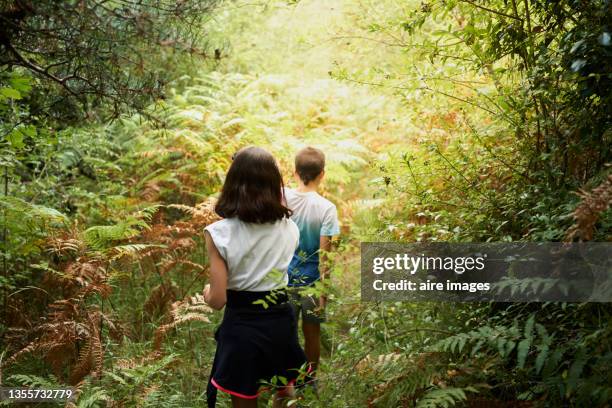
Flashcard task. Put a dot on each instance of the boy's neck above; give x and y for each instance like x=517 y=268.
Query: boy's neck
x=307 y=188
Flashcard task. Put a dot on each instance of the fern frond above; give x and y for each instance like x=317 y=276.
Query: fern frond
x=443 y=397
x=99 y=237
x=34 y=381
x=131 y=250
x=190 y=309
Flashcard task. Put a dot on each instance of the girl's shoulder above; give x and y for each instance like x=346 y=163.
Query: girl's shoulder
x=216 y=224
x=284 y=226
x=232 y=224
x=291 y=227
x=223 y=226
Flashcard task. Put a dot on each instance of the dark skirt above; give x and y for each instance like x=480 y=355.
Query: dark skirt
x=254 y=345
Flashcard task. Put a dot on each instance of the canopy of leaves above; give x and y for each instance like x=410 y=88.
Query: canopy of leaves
x=94 y=52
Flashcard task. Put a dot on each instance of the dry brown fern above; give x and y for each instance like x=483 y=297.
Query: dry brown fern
x=66 y=243
x=586 y=215
x=85 y=271
x=193 y=308
x=151 y=191
x=69 y=336
x=172 y=262
x=178 y=237
x=130 y=363
x=90 y=358
x=72 y=266
x=202 y=214
x=159 y=299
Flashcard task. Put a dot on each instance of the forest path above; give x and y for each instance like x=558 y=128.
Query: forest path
x=283 y=95
x=274 y=89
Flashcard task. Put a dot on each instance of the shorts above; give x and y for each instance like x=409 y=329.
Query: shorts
x=307 y=305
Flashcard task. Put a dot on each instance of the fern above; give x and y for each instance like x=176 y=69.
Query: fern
x=405 y=378
x=533 y=287
x=132 y=250
x=503 y=340
x=99 y=237
x=34 y=381
x=94 y=397
x=191 y=309
x=443 y=397
x=31 y=211
x=134 y=376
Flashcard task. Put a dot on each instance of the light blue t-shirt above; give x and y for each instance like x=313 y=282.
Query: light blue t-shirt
x=315 y=217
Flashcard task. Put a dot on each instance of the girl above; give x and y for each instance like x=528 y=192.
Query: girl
x=249 y=253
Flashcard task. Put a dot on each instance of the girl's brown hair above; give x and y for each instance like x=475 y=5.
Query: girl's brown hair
x=253 y=188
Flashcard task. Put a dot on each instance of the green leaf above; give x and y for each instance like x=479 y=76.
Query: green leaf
x=29 y=130
x=576 y=369
x=15 y=138
x=541 y=358
x=261 y=302
x=578 y=64
x=21 y=84
x=522 y=350
x=10 y=93
x=529 y=326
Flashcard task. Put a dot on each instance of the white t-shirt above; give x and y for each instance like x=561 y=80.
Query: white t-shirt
x=315 y=217
x=257 y=255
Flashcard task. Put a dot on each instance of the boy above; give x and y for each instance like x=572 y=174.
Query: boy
x=317 y=220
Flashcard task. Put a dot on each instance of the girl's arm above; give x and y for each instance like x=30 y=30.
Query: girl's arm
x=214 y=293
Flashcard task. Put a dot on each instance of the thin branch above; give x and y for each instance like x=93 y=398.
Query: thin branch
x=499 y=13
x=494 y=155
x=460 y=173
x=42 y=71
x=360 y=37
x=427 y=88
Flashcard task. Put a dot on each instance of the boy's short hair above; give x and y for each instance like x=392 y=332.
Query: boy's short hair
x=309 y=163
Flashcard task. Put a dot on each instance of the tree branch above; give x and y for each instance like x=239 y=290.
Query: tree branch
x=40 y=70
x=499 y=13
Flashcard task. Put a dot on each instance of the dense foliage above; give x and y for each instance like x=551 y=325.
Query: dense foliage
x=94 y=54
x=447 y=120
x=525 y=90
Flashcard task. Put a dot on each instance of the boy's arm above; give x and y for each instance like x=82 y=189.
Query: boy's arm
x=329 y=228
x=324 y=248
x=325 y=244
